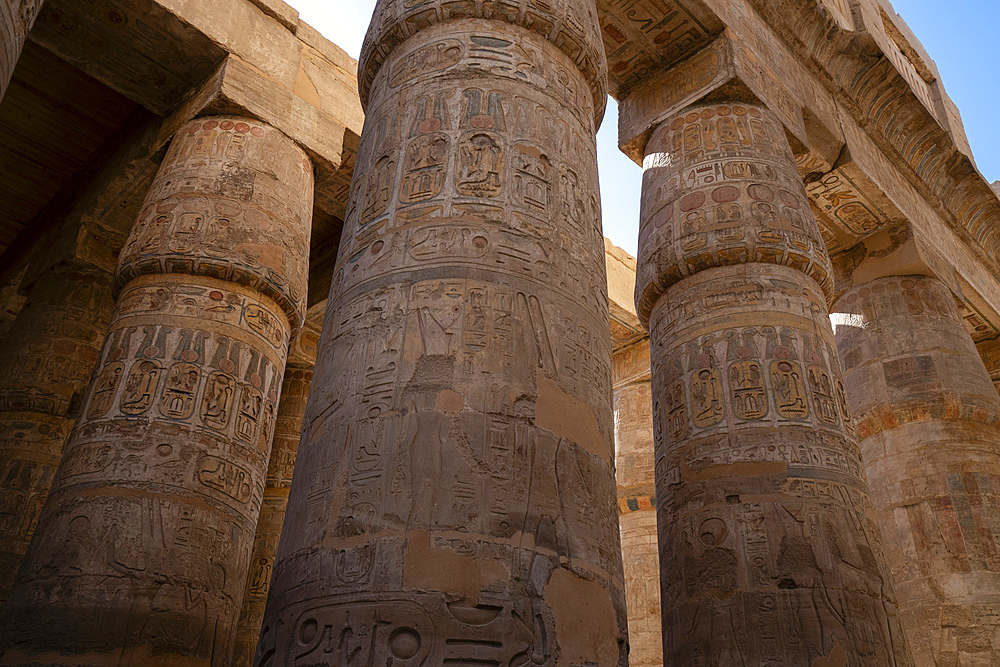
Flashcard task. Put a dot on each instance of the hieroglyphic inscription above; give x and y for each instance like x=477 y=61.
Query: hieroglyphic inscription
x=469 y=296
x=50 y=354
x=152 y=515
x=288 y=426
x=749 y=421
x=727 y=194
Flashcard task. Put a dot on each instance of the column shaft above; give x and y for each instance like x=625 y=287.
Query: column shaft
x=285 y=447
x=44 y=368
x=16 y=19
x=927 y=413
x=769 y=551
x=634 y=460
x=454 y=496
x=142 y=550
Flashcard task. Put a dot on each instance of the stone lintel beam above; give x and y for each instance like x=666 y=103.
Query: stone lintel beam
x=837 y=60
x=87 y=221
x=734 y=69
x=881 y=89
x=625 y=326
x=281 y=12
x=631 y=364
x=900 y=250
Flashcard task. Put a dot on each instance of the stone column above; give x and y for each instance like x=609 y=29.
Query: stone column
x=16 y=19
x=637 y=502
x=927 y=414
x=769 y=550
x=45 y=364
x=142 y=550
x=454 y=498
x=287 y=430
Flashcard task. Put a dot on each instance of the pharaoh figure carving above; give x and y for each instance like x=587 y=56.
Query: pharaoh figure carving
x=769 y=549
x=142 y=551
x=454 y=495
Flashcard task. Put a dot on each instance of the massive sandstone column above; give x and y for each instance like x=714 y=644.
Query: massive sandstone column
x=46 y=361
x=769 y=549
x=927 y=414
x=454 y=495
x=142 y=550
x=637 y=502
x=287 y=430
x=16 y=19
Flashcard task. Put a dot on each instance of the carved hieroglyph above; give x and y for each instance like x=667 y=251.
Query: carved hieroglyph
x=16 y=19
x=454 y=496
x=927 y=414
x=142 y=550
x=769 y=549
x=287 y=430
x=47 y=360
x=634 y=460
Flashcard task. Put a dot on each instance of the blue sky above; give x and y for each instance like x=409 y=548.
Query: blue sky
x=963 y=38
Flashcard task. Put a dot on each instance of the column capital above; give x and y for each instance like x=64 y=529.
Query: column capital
x=233 y=201
x=879 y=325
x=571 y=26
x=721 y=188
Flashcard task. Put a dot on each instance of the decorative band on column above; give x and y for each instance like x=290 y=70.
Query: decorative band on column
x=913 y=389
x=719 y=189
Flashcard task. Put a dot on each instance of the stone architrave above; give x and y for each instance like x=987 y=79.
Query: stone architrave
x=16 y=19
x=927 y=414
x=142 y=551
x=769 y=549
x=287 y=430
x=454 y=495
x=46 y=362
x=634 y=461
